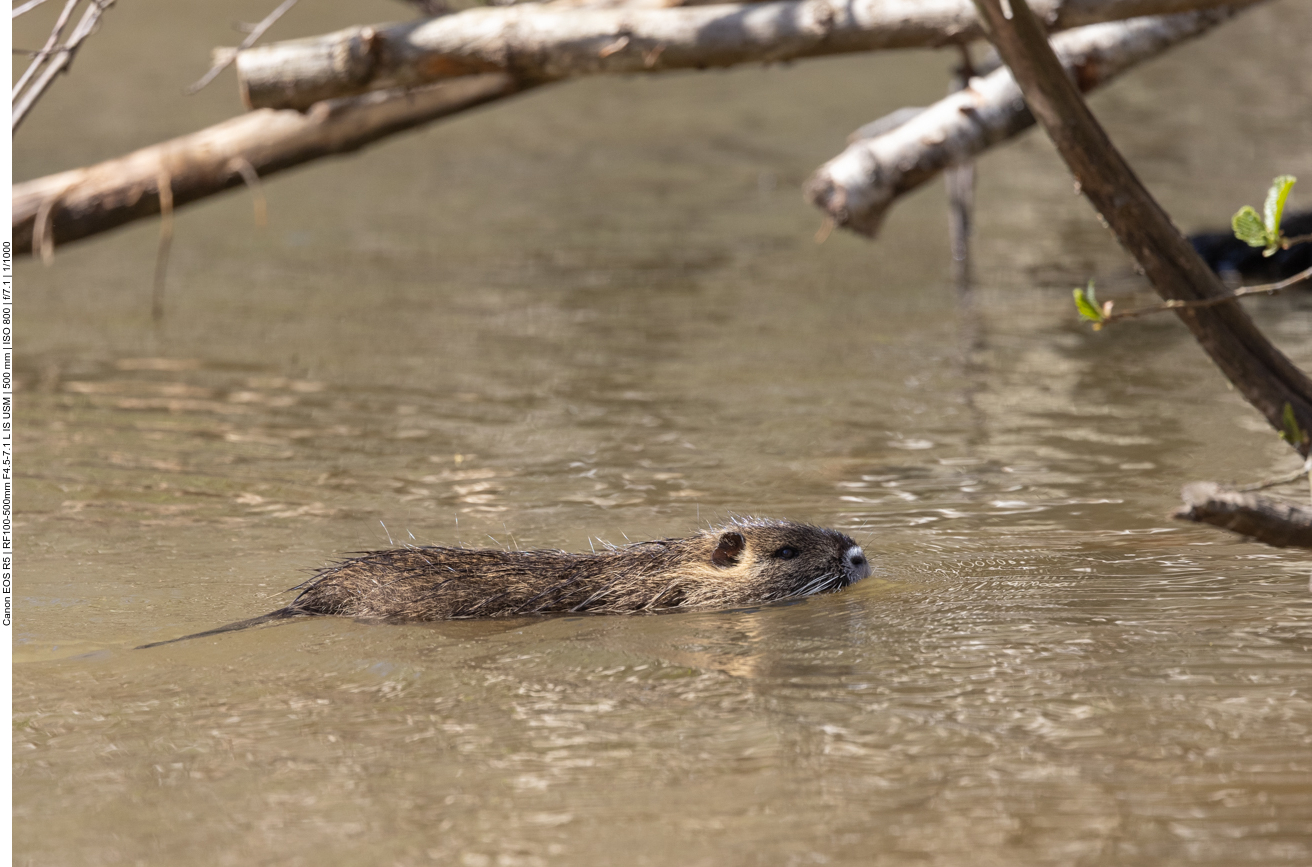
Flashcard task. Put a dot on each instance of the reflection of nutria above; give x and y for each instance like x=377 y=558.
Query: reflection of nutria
x=744 y=562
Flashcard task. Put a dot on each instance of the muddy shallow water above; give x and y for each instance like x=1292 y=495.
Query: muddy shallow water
x=599 y=312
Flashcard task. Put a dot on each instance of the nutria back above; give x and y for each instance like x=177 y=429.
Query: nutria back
x=744 y=562
x=741 y=563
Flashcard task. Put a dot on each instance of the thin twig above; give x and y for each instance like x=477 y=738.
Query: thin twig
x=61 y=60
x=1279 y=480
x=39 y=60
x=256 y=32
x=26 y=7
x=165 y=242
x=1286 y=243
x=1268 y=288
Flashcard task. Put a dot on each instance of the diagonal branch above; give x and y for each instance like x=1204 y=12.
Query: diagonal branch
x=70 y=205
x=1266 y=378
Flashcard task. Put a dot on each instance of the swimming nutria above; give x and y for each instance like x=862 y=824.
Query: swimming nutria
x=744 y=562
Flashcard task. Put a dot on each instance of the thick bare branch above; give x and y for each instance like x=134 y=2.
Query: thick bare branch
x=1266 y=378
x=1275 y=522
x=70 y=205
x=541 y=42
x=886 y=160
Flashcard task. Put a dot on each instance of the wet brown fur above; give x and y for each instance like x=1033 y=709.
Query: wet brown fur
x=739 y=563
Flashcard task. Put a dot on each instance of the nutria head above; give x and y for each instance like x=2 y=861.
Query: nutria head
x=747 y=561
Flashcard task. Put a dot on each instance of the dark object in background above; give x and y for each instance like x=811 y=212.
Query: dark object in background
x=1231 y=258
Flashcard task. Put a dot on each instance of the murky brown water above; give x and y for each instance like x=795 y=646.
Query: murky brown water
x=599 y=311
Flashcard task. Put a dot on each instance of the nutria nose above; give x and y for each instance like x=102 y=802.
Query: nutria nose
x=860 y=564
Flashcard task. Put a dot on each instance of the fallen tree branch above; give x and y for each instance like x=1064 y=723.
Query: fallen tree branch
x=544 y=43
x=1275 y=522
x=70 y=205
x=887 y=160
x=1263 y=375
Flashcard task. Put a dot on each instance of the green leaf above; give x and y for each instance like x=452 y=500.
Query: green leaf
x=1248 y=227
x=1275 y=203
x=1087 y=303
x=1292 y=434
x=1274 y=209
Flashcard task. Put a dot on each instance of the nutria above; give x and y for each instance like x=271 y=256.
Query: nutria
x=744 y=562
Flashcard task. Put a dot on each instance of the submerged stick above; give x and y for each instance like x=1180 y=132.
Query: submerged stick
x=959 y=179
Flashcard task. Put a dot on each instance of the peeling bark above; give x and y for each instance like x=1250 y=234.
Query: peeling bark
x=543 y=42
x=889 y=159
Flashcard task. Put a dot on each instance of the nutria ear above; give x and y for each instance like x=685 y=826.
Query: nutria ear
x=731 y=545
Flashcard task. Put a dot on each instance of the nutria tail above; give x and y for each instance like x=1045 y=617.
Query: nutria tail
x=271 y=617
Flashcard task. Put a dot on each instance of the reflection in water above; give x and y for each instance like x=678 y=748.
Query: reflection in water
x=612 y=328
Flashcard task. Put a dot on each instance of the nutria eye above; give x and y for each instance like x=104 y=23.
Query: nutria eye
x=786 y=553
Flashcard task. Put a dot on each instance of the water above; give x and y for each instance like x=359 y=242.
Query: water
x=598 y=312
